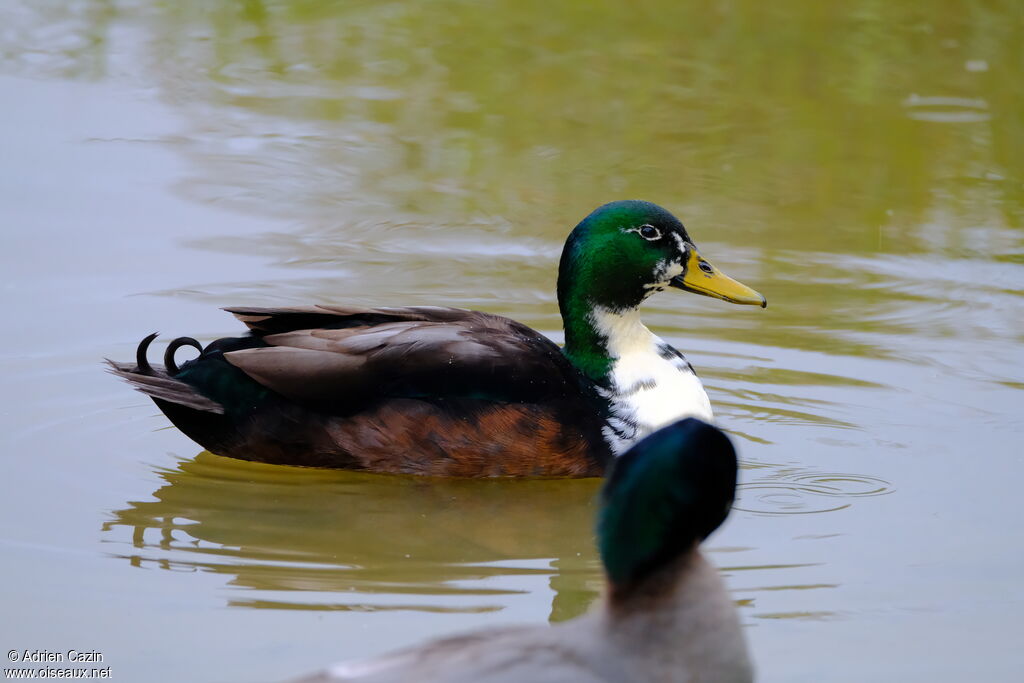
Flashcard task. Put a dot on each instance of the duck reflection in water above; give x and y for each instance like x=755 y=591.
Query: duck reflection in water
x=338 y=540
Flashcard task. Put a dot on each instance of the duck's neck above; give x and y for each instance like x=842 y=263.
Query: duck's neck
x=680 y=618
x=596 y=336
x=645 y=383
x=600 y=314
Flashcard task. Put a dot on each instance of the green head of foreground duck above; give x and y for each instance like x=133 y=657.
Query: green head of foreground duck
x=451 y=392
x=666 y=616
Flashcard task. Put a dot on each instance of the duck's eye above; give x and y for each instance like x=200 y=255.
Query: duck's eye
x=649 y=232
x=706 y=267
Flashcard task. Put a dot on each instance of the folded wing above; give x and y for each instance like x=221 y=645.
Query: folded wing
x=341 y=354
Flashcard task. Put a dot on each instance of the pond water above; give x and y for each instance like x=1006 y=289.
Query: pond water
x=861 y=165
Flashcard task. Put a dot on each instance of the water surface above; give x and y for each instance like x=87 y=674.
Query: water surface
x=859 y=165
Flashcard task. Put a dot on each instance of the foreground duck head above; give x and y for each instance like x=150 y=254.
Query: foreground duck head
x=664 y=496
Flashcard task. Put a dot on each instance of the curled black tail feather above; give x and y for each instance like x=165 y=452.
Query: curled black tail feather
x=159 y=384
x=172 y=368
x=144 y=368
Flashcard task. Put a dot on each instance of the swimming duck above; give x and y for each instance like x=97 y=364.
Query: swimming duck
x=666 y=616
x=452 y=392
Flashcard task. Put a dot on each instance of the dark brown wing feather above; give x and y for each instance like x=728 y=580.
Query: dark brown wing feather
x=337 y=353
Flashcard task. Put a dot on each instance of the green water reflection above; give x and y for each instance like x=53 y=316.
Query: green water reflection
x=297 y=533
x=823 y=127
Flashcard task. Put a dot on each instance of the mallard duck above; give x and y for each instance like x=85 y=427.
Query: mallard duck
x=666 y=616
x=452 y=392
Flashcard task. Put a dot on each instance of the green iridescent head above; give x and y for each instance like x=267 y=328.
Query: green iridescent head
x=664 y=495
x=625 y=251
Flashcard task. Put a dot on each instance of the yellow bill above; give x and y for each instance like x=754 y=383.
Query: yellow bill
x=701 y=277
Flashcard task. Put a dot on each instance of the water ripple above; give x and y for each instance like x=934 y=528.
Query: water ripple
x=799 y=491
x=947 y=109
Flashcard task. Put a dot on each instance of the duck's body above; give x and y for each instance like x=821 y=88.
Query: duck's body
x=434 y=391
x=688 y=633
x=450 y=392
x=668 y=616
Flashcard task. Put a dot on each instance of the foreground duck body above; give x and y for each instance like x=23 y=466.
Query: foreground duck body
x=667 y=615
x=451 y=392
